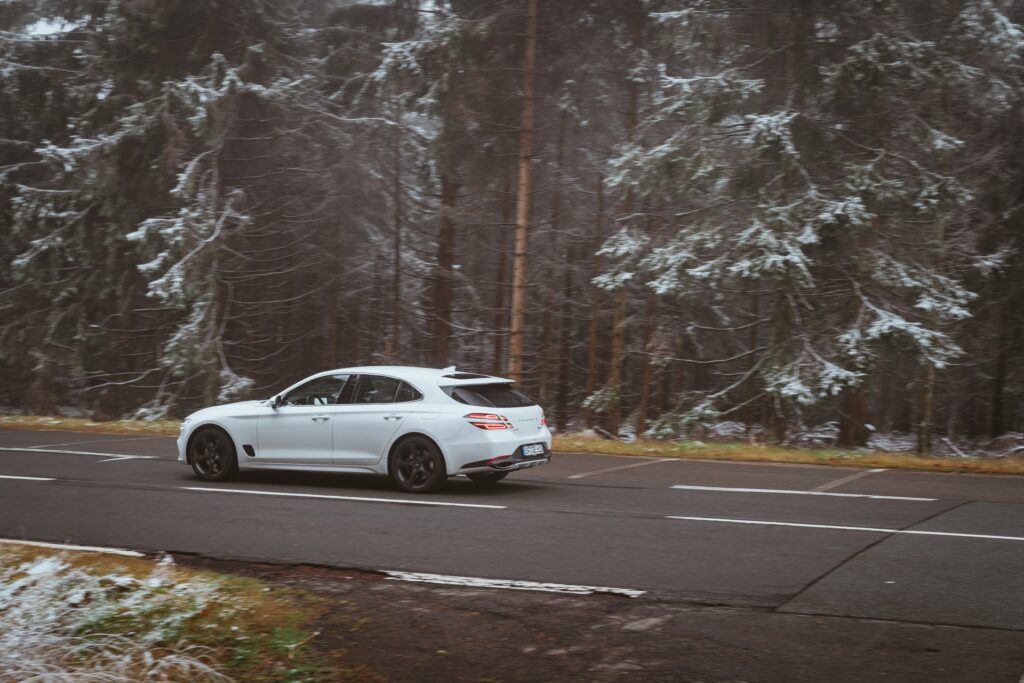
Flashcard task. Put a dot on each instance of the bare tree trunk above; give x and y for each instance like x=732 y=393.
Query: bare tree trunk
x=615 y=362
x=753 y=409
x=853 y=431
x=499 y=296
x=595 y=303
x=564 y=356
x=647 y=383
x=443 y=272
x=619 y=315
x=646 y=367
x=515 y=342
x=998 y=416
x=552 y=276
x=927 y=401
x=394 y=343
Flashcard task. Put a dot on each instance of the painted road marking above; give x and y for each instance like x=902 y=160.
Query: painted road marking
x=619 y=467
x=108 y=456
x=798 y=493
x=65 y=546
x=75 y=443
x=508 y=584
x=914 y=532
x=11 y=476
x=846 y=480
x=359 y=499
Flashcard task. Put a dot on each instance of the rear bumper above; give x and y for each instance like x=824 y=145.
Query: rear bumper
x=507 y=463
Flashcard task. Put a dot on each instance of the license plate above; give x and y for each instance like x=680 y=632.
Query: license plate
x=533 y=449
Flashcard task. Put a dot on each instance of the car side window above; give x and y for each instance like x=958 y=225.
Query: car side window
x=321 y=391
x=376 y=389
x=407 y=393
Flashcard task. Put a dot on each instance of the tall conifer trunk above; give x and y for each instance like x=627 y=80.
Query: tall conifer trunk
x=515 y=342
x=443 y=272
x=593 y=329
x=619 y=315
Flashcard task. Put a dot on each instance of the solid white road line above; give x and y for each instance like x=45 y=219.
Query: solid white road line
x=65 y=546
x=109 y=456
x=360 y=499
x=797 y=492
x=619 y=467
x=845 y=480
x=11 y=476
x=914 y=532
x=508 y=584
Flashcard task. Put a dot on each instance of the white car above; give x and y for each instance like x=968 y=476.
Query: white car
x=417 y=425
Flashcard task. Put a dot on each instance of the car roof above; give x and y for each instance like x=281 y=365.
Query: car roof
x=414 y=374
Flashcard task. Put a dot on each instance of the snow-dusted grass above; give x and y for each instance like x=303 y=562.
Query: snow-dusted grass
x=92 y=617
x=576 y=443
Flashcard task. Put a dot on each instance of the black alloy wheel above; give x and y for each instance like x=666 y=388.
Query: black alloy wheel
x=487 y=477
x=417 y=465
x=212 y=455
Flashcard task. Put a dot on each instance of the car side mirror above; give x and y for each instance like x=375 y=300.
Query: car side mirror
x=277 y=401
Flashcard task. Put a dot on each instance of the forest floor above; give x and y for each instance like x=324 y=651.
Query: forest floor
x=584 y=443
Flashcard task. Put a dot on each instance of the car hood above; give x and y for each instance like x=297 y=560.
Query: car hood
x=224 y=410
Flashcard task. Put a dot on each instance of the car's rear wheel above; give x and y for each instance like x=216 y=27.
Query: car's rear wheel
x=212 y=455
x=487 y=477
x=417 y=465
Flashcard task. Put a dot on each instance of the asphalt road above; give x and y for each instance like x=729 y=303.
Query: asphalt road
x=874 y=544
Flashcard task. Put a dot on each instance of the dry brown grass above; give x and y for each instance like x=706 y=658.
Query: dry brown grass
x=751 y=453
x=71 y=424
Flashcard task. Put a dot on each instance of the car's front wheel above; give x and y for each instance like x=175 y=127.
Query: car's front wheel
x=487 y=477
x=417 y=465
x=212 y=455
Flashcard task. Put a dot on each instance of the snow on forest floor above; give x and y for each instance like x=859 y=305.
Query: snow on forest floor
x=86 y=616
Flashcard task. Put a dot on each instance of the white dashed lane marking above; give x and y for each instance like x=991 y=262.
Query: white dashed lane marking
x=118 y=440
x=11 y=476
x=359 y=499
x=913 y=532
x=853 y=477
x=619 y=467
x=109 y=456
x=794 y=492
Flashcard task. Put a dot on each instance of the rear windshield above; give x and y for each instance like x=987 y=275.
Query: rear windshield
x=498 y=395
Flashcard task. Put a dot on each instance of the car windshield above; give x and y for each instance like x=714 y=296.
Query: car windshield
x=497 y=395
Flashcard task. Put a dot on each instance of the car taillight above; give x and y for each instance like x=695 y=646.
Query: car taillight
x=543 y=419
x=488 y=421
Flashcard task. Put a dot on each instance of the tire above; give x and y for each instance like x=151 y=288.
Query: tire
x=212 y=455
x=416 y=465
x=486 y=478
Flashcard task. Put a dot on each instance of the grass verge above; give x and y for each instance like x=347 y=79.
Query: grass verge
x=572 y=443
x=750 y=453
x=84 y=616
x=71 y=424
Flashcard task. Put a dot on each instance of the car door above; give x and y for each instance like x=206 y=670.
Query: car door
x=298 y=432
x=364 y=427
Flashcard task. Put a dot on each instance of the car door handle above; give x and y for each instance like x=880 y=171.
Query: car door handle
x=319 y=418
x=392 y=417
